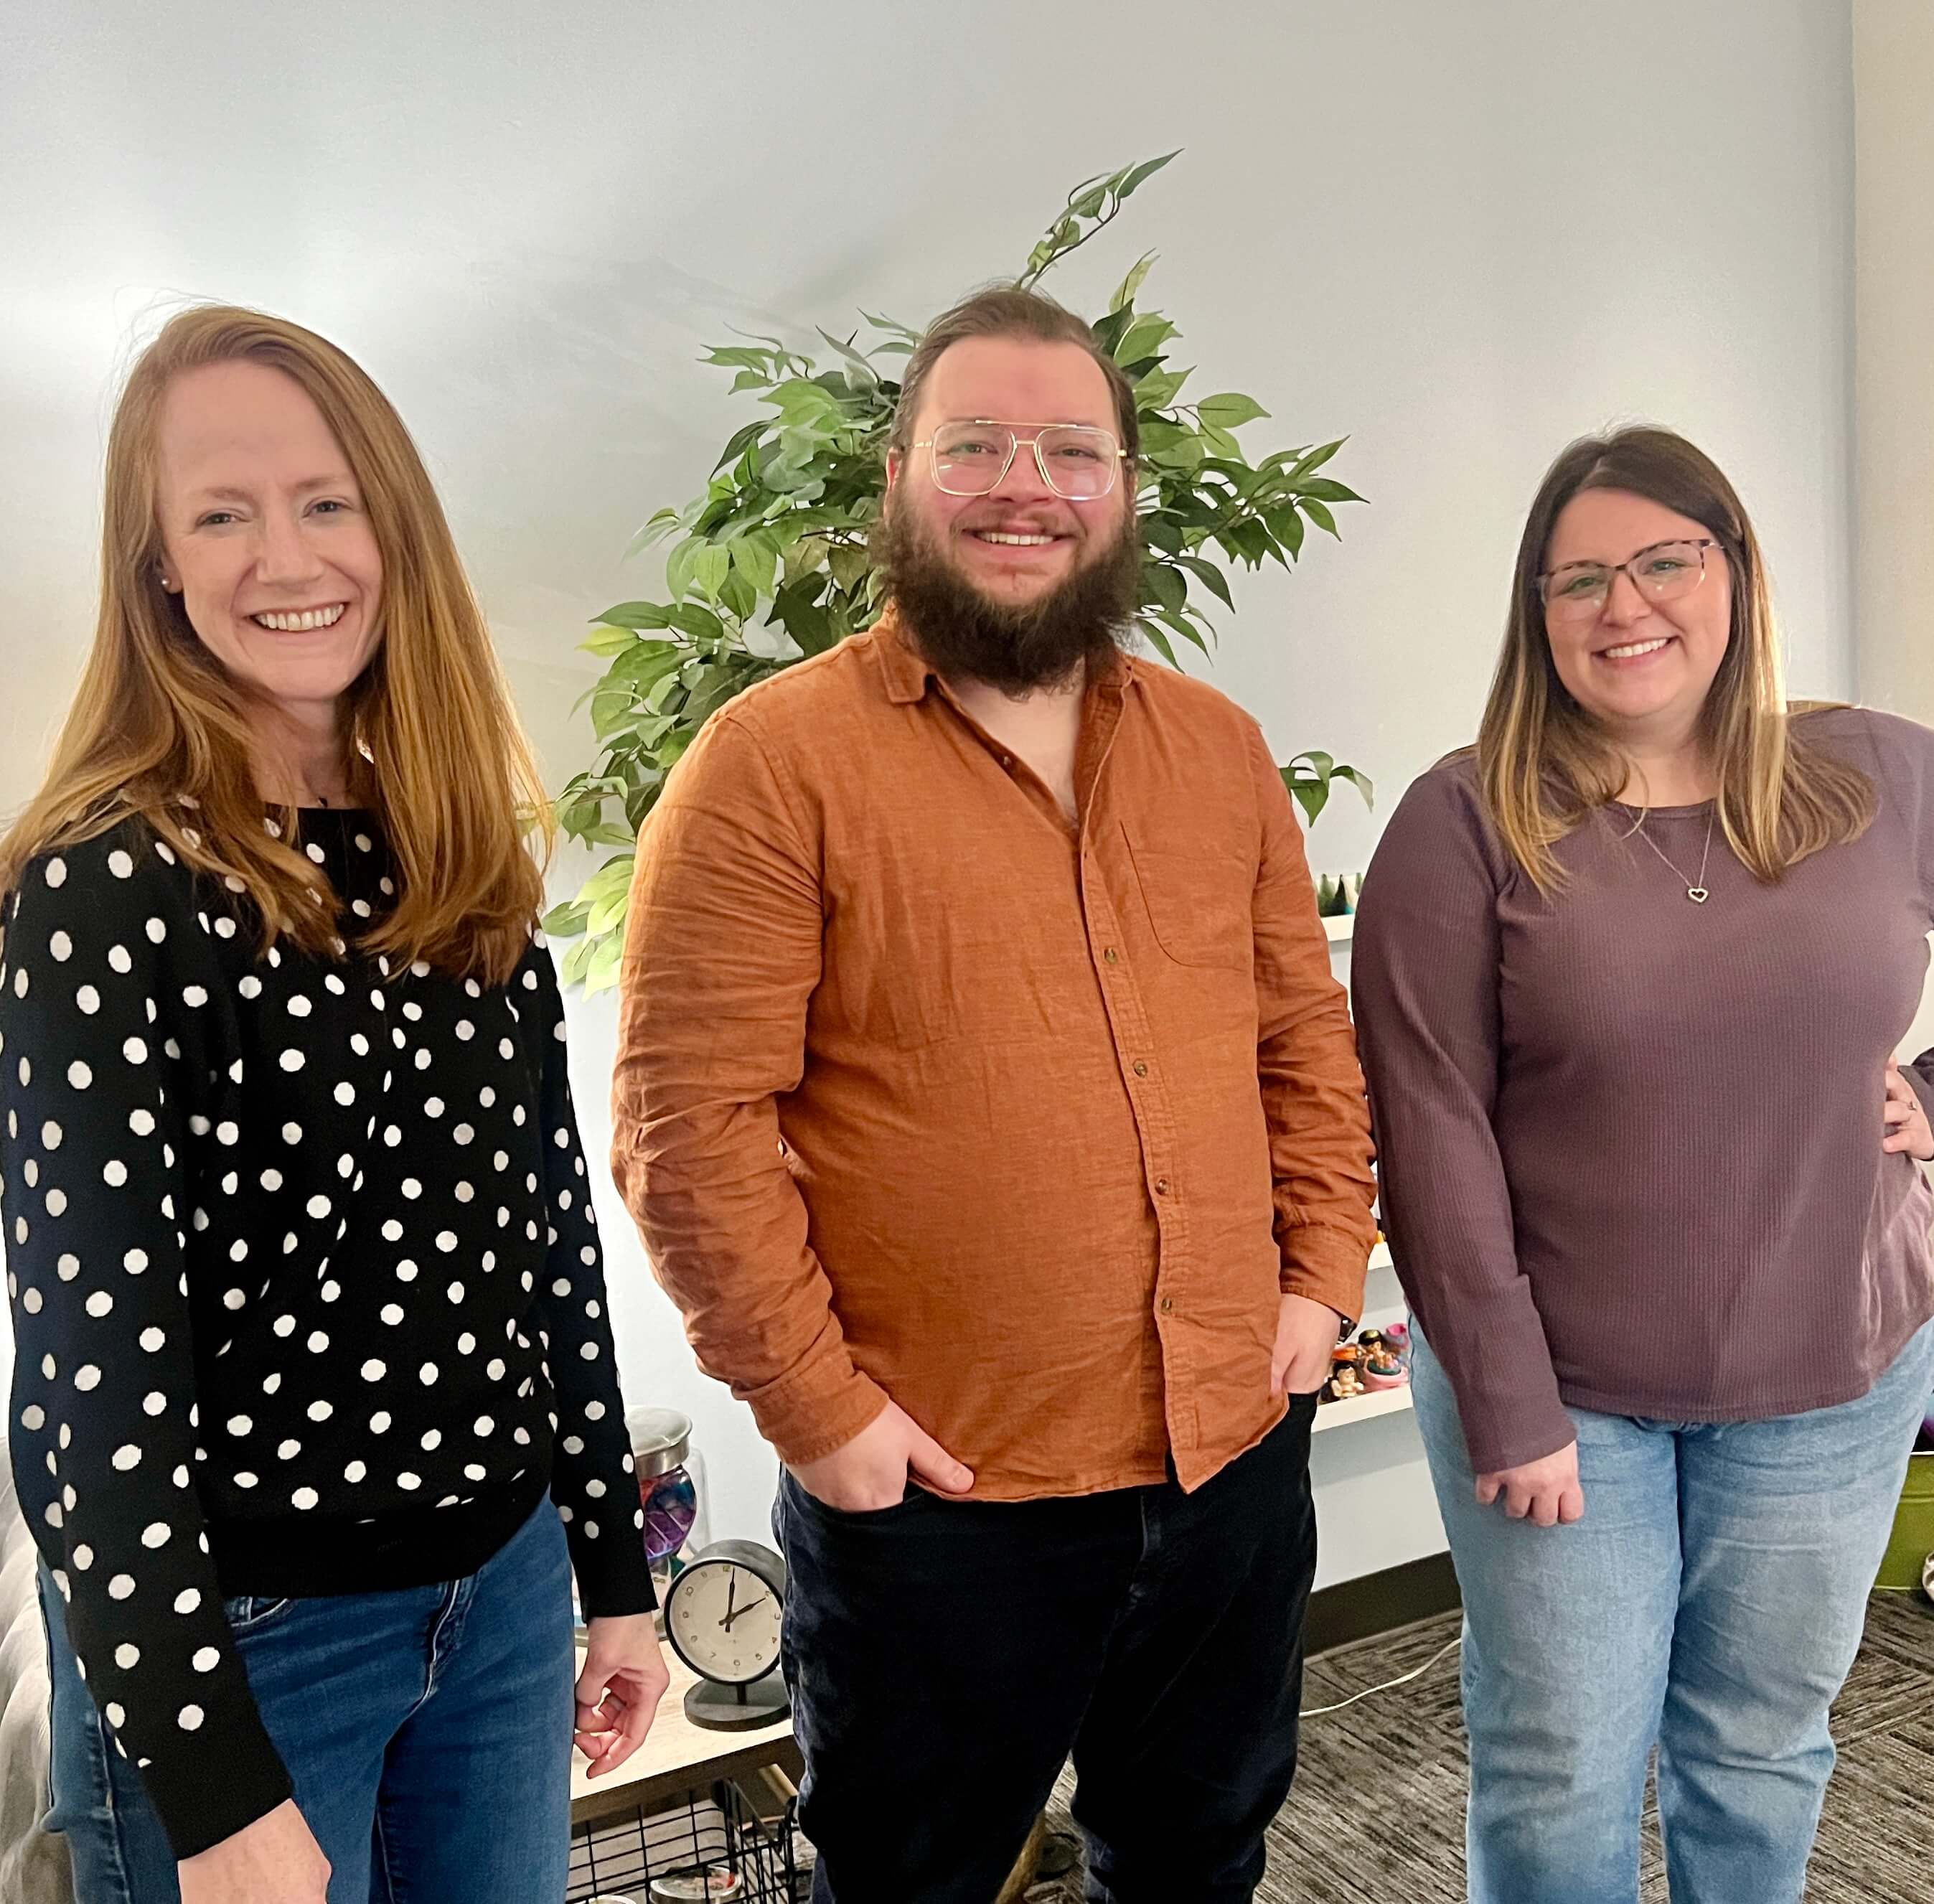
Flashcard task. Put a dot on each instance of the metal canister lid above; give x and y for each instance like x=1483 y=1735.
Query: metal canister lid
x=698 y=1887
x=660 y=1441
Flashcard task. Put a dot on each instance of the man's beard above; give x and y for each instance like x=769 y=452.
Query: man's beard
x=1015 y=647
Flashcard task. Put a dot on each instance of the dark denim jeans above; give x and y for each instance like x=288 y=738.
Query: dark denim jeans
x=945 y=1656
x=428 y=1732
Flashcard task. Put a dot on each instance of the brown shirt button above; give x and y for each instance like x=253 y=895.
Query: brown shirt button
x=1168 y=1306
x=1161 y=1186
x=1141 y=1069
x=1110 y=955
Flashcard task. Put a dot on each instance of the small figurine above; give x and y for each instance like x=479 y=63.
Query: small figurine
x=1383 y=1367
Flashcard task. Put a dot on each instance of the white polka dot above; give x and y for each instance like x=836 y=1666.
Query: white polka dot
x=292 y=1060
x=426 y=1374
x=156 y=1533
x=190 y=1718
x=304 y=1498
x=100 y=1304
x=288 y=1451
x=57 y=873
x=114 y=1173
x=79 y=1076
x=154 y=1403
x=240 y=1424
x=87 y=1377
x=33 y=1417
x=157 y=932
x=408 y=1483
x=374 y=1370
x=317 y=1342
x=355 y=1471
x=432 y=1440
x=345 y=1093
x=120 y=1587
x=118 y=956
x=379 y=1422
x=187 y=1600
x=392 y=1313
x=245 y=1481
x=446 y=1240
x=411 y=1188
x=152 y=1340
x=234 y=1299
x=589 y=1351
x=88 y=1000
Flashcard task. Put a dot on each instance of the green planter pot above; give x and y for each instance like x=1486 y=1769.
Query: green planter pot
x=1913 y=1530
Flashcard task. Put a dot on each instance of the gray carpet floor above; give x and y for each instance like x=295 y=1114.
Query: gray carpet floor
x=1378 y=1811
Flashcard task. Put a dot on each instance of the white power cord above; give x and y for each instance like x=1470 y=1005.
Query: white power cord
x=1389 y=1685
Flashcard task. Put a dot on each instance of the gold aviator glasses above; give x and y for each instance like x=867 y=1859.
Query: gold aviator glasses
x=1078 y=462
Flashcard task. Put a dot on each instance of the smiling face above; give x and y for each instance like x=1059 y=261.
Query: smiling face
x=1020 y=542
x=1641 y=668
x=265 y=537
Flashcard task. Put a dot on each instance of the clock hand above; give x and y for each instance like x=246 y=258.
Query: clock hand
x=727 y=1622
x=731 y=1594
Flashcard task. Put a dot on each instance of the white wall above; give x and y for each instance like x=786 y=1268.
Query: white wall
x=1893 y=288
x=1460 y=233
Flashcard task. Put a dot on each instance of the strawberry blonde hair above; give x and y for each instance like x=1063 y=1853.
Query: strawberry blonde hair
x=160 y=730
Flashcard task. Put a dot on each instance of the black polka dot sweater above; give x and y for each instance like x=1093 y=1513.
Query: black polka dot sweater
x=306 y=1288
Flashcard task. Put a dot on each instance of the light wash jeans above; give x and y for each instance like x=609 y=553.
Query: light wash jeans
x=427 y=1731
x=1710 y=1603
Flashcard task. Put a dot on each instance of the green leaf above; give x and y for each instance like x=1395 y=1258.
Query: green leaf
x=1125 y=292
x=1162 y=532
x=1143 y=338
x=739 y=442
x=709 y=567
x=634 y=615
x=796 y=610
x=1229 y=410
x=1248 y=540
x=1321 y=489
x=1088 y=204
x=601 y=973
x=1319 y=514
x=566 y=920
x=578 y=958
x=679 y=566
x=866 y=371
x=1158 y=641
x=1315 y=459
x=1157 y=390
x=1109 y=331
x=609 y=641
x=1166 y=585
x=1286 y=526
x=1312 y=796
x=1210 y=576
x=1147 y=169
x=691 y=618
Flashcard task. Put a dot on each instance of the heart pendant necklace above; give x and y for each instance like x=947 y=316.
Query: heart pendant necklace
x=1695 y=889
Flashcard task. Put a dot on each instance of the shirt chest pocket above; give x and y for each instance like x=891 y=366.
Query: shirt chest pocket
x=1199 y=902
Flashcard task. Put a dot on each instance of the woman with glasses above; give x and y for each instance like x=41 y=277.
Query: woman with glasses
x=1629 y=977
x=315 y=1407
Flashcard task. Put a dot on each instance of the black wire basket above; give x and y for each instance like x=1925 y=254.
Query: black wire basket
x=717 y=1833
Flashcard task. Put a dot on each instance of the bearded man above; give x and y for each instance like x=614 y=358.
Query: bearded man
x=987 y=1107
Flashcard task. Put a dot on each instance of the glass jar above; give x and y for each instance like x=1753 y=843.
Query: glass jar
x=671 y=1489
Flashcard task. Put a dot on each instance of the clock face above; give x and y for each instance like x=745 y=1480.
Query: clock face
x=724 y=1621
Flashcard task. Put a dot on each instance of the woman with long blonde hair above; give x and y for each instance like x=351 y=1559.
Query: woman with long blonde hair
x=314 y=1406
x=1629 y=977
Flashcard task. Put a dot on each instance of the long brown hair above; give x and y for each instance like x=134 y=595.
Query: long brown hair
x=159 y=729
x=1544 y=764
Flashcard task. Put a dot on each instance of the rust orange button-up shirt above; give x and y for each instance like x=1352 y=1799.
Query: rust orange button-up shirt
x=923 y=1091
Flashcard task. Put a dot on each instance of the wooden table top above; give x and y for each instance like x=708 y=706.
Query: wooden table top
x=677 y=1757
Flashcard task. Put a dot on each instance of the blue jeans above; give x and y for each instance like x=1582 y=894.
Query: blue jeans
x=427 y=1731
x=1710 y=1603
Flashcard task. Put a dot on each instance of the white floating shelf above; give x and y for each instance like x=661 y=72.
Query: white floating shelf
x=1360 y=1407
x=1338 y=930
x=1380 y=1256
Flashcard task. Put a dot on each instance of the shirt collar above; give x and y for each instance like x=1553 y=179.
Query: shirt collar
x=907 y=672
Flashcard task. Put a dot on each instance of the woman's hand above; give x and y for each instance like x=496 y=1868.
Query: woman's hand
x=624 y=1678
x=1543 y=1492
x=1905 y=1121
x=276 y=1860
